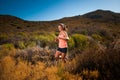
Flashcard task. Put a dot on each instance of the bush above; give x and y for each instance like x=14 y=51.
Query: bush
x=71 y=43
x=46 y=40
x=21 y=45
x=105 y=63
x=81 y=41
x=97 y=37
x=31 y=44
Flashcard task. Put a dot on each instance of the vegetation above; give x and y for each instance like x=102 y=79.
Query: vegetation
x=81 y=41
x=27 y=48
x=97 y=37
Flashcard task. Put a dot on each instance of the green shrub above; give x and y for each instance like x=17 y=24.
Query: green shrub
x=81 y=41
x=96 y=37
x=45 y=39
x=21 y=45
x=71 y=43
x=31 y=44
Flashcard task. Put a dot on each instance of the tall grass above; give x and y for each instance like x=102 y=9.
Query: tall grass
x=15 y=68
x=33 y=58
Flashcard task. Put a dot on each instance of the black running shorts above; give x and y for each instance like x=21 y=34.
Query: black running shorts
x=63 y=50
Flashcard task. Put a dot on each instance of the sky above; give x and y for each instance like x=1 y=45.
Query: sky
x=47 y=10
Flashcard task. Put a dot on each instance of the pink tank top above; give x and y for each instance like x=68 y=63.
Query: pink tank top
x=63 y=42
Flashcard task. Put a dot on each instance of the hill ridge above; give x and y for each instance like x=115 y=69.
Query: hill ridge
x=100 y=18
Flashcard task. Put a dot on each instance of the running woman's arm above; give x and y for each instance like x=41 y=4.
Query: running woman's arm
x=64 y=36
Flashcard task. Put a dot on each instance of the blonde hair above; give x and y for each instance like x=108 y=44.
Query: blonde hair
x=63 y=26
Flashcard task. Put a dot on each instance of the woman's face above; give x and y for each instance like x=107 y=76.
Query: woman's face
x=60 y=28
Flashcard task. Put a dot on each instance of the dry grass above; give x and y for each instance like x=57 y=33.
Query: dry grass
x=12 y=68
x=90 y=64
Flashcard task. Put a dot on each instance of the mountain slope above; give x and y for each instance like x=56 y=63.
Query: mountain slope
x=98 y=18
